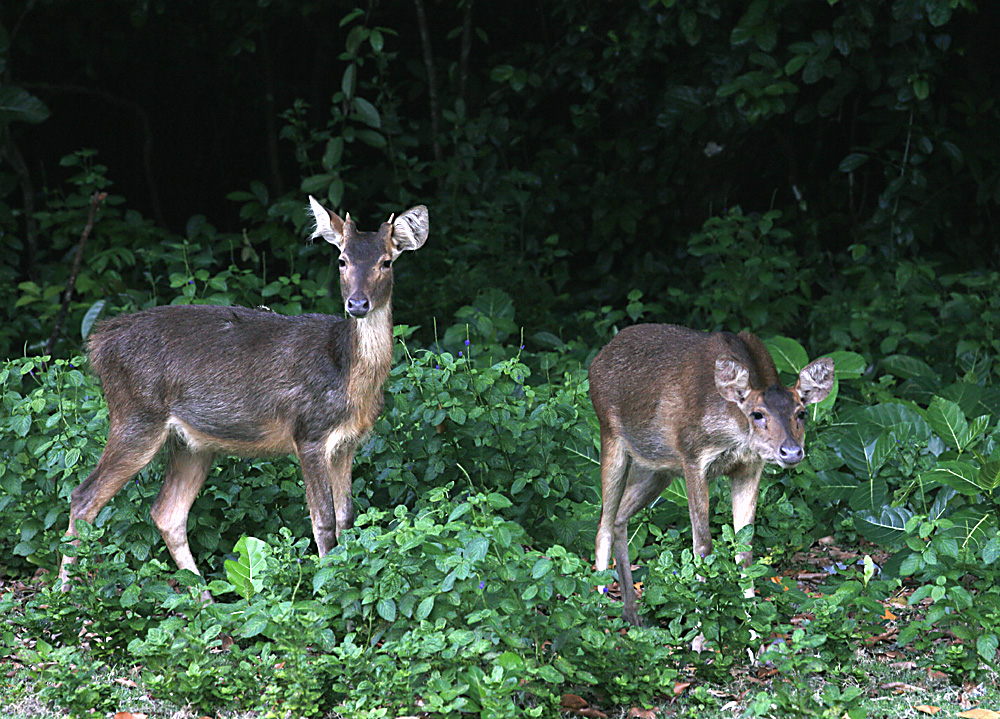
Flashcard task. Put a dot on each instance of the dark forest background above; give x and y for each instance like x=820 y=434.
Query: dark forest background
x=567 y=150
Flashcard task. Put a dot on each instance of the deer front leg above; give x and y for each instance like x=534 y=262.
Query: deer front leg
x=745 y=482
x=340 y=486
x=317 y=473
x=697 y=494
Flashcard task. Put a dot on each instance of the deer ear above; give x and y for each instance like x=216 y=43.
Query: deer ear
x=815 y=380
x=732 y=380
x=409 y=230
x=329 y=226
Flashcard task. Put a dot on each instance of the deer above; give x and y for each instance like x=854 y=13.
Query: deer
x=206 y=380
x=672 y=402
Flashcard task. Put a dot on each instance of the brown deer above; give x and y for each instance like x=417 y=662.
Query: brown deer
x=677 y=402
x=208 y=380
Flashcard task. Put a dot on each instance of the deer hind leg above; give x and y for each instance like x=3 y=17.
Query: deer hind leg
x=614 y=463
x=186 y=473
x=131 y=446
x=643 y=486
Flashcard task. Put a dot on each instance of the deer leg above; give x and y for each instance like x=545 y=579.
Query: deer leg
x=614 y=462
x=697 y=494
x=643 y=486
x=317 y=474
x=340 y=487
x=186 y=473
x=130 y=447
x=745 y=482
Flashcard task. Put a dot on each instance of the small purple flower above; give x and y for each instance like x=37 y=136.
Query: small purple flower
x=466 y=343
x=482 y=585
x=437 y=366
x=522 y=346
x=460 y=353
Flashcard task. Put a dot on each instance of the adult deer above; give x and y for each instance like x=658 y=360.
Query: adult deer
x=676 y=402
x=208 y=380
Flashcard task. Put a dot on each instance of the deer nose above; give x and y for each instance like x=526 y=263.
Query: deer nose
x=790 y=454
x=358 y=306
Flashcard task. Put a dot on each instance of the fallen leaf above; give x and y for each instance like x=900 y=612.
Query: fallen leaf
x=980 y=714
x=592 y=713
x=129 y=715
x=927 y=709
x=901 y=687
x=679 y=687
x=572 y=701
x=125 y=683
x=643 y=713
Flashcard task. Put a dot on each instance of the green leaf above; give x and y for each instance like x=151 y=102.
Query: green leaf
x=88 y=319
x=19 y=105
x=847 y=365
x=962 y=476
x=973 y=526
x=424 y=608
x=367 y=112
x=986 y=645
x=852 y=162
x=541 y=567
x=948 y=421
x=349 y=80
x=789 y=356
x=550 y=674
x=245 y=574
x=906 y=367
x=386 y=609
x=677 y=492
x=884 y=528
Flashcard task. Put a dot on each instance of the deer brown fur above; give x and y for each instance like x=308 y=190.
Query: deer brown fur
x=209 y=380
x=677 y=402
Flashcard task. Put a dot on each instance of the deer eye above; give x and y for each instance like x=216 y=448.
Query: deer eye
x=802 y=415
x=387 y=264
x=756 y=416
x=342 y=262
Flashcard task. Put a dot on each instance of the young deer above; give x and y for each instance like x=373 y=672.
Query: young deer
x=673 y=401
x=208 y=380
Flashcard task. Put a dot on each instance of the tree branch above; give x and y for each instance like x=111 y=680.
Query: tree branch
x=95 y=201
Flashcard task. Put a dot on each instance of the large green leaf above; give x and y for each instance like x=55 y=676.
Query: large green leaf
x=677 y=492
x=847 y=365
x=962 y=476
x=245 y=574
x=17 y=104
x=833 y=486
x=973 y=526
x=789 y=356
x=906 y=367
x=948 y=421
x=869 y=496
x=882 y=528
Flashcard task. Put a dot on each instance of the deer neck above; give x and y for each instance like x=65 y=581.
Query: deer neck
x=371 y=352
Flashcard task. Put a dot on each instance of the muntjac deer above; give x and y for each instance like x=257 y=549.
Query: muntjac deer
x=208 y=380
x=676 y=402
